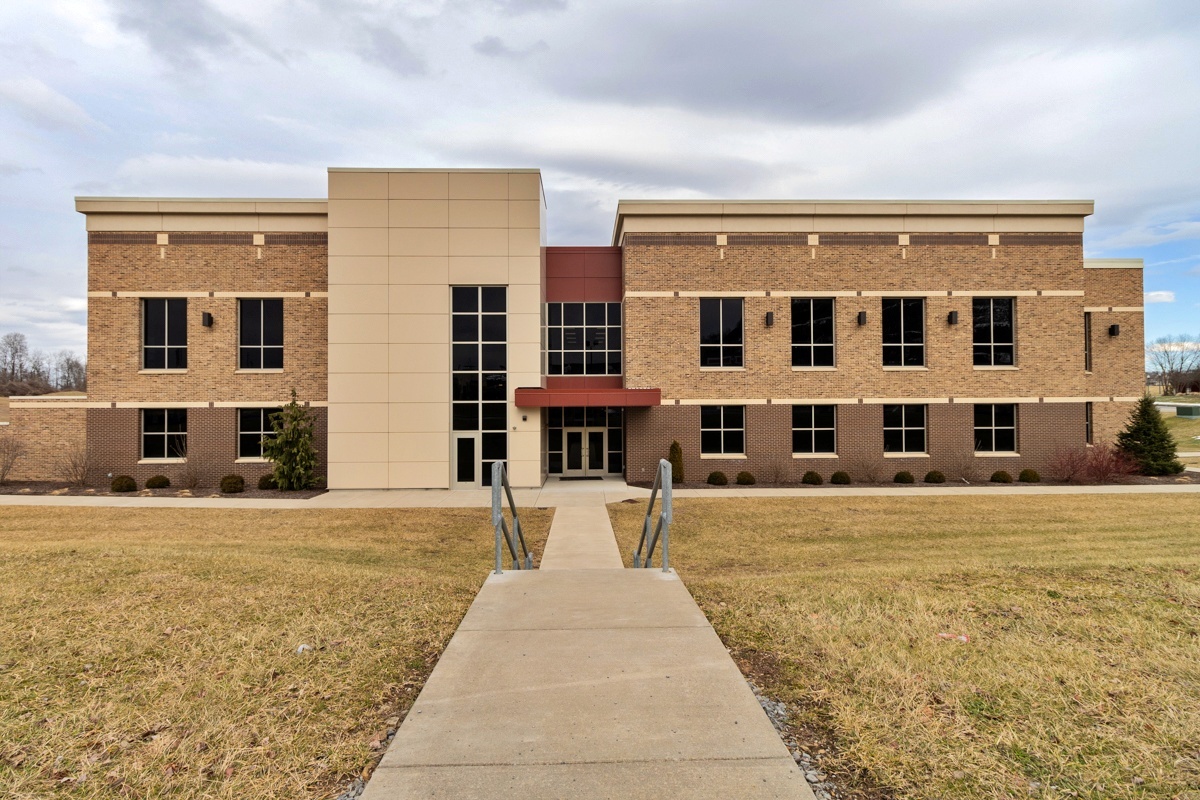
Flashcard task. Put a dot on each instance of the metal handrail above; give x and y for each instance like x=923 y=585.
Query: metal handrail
x=503 y=534
x=663 y=527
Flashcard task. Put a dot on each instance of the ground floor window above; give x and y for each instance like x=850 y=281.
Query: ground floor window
x=254 y=425
x=1087 y=422
x=995 y=428
x=583 y=442
x=813 y=429
x=903 y=429
x=723 y=430
x=164 y=433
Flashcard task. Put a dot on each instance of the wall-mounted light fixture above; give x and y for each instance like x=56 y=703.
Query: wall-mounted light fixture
x=862 y=318
x=952 y=318
x=770 y=318
x=1114 y=330
x=206 y=319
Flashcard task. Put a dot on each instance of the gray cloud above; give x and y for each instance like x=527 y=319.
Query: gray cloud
x=386 y=48
x=521 y=7
x=184 y=34
x=494 y=47
x=44 y=107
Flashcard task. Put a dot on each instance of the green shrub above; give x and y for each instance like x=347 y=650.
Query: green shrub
x=841 y=478
x=676 y=459
x=124 y=483
x=232 y=484
x=933 y=476
x=814 y=479
x=267 y=482
x=717 y=479
x=1029 y=476
x=158 y=482
x=1000 y=476
x=291 y=447
x=904 y=476
x=745 y=479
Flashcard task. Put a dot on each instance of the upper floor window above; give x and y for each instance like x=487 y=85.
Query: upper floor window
x=254 y=425
x=1087 y=341
x=996 y=428
x=583 y=338
x=260 y=333
x=904 y=429
x=813 y=429
x=903 y=332
x=723 y=430
x=164 y=333
x=993 y=323
x=164 y=433
x=812 y=332
x=721 y=332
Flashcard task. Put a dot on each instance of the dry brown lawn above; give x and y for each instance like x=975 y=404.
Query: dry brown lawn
x=1081 y=669
x=1185 y=431
x=153 y=653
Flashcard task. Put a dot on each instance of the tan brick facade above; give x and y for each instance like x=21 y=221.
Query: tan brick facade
x=50 y=437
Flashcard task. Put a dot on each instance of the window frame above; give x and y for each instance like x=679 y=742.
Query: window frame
x=1087 y=341
x=992 y=429
x=991 y=345
x=261 y=347
x=906 y=429
x=902 y=344
x=265 y=431
x=172 y=308
x=1088 y=423
x=166 y=434
x=729 y=430
x=728 y=351
x=612 y=354
x=811 y=345
x=811 y=430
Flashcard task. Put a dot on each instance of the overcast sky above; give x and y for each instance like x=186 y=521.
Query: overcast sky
x=611 y=99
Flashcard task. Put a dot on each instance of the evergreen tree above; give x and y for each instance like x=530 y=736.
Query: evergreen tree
x=676 y=459
x=1148 y=442
x=291 y=448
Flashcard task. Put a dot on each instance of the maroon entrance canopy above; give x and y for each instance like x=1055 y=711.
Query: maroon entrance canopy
x=588 y=398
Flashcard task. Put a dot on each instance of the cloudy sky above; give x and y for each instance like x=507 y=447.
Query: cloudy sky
x=611 y=99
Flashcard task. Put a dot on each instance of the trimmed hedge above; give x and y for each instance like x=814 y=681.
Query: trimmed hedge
x=814 y=479
x=158 y=482
x=1029 y=476
x=933 y=476
x=267 y=482
x=232 y=484
x=717 y=478
x=745 y=479
x=904 y=476
x=123 y=483
x=841 y=478
x=1000 y=476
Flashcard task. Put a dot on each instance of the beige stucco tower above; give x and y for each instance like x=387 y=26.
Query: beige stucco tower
x=400 y=242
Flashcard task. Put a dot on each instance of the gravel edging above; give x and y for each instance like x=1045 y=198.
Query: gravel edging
x=818 y=781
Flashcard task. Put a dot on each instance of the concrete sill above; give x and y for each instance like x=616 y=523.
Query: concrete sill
x=721 y=457
x=162 y=372
x=162 y=461
x=906 y=369
x=814 y=369
x=997 y=455
x=996 y=369
x=255 y=371
x=906 y=455
x=251 y=461
x=814 y=455
x=722 y=369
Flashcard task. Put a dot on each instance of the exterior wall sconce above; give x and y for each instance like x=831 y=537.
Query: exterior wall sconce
x=952 y=318
x=770 y=318
x=862 y=318
x=1114 y=330
x=206 y=319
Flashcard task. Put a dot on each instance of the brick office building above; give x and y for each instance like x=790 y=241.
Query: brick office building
x=422 y=317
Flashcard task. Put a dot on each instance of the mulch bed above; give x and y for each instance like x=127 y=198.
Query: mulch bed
x=1141 y=480
x=44 y=488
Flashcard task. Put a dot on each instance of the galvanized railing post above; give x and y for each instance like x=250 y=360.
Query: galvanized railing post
x=497 y=514
x=514 y=539
x=652 y=531
x=664 y=467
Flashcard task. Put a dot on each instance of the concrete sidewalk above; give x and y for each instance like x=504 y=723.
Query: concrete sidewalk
x=586 y=680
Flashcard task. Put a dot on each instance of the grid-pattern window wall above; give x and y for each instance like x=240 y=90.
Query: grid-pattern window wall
x=260 y=333
x=995 y=428
x=904 y=429
x=723 y=430
x=164 y=333
x=164 y=433
x=814 y=429
x=812 y=332
x=903 y=331
x=993 y=334
x=583 y=338
x=254 y=425
x=721 y=332
x=558 y=419
x=479 y=369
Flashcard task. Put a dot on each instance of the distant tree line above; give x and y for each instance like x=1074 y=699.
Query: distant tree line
x=24 y=371
x=1173 y=362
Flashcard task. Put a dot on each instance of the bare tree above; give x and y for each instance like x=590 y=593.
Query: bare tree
x=75 y=464
x=11 y=450
x=14 y=355
x=1174 y=358
x=70 y=372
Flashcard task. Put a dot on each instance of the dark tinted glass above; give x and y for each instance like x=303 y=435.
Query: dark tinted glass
x=465 y=328
x=914 y=355
x=494 y=384
x=154 y=446
x=466 y=357
x=554 y=463
x=273 y=358
x=822 y=356
x=249 y=419
x=893 y=441
x=555 y=418
x=822 y=321
x=594 y=314
x=823 y=416
x=495 y=446
x=249 y=445
x=495 y=416
x=710 y=416
x=735 y=416
x=710 y=323
x=493 y=298
x=802 y=416
x=465 y=298
x=1006 y=416
x=494 y=357
x=983 y=416
x=250 y=326
x=176 y=358
x=572 y=314
x=154 y=420
x=710 y=356
x=573 y=363
x=1006 y=440
x=466 y=386
x=572 y=338
x=893 y=416
x=554 y=313
x=466 y=416
x=1002 y=355
x=465 y=459
x=554 y=363
x=731 y=320
x=801 y=321
x=154 y=358
x=1002 y=321
x=710 y=441
x=914 y=416
x=493 y=328
x=981 y=320
x=154 y=317
x=272 y=310
x=614 y=313
x=823 y=442
x=914 y=320
x=983 y=440
x=891 y=321
x=554 y=339
x=177 y=420
x=735 y=441
x=801 y=442
x=177 y=322
x=915 y=441
x=250 y=358
x=593 y=417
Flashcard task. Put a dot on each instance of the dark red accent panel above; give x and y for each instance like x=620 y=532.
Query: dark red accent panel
x=557 y=383
x=583 y=274
x=587 y=398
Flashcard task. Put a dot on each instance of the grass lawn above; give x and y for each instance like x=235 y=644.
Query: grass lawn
x=1184 y=430
x=149 y=653
x=1082 y=614
x=1178 y=398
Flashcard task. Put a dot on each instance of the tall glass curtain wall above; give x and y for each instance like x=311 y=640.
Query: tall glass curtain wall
x=479 y=375
x=596 y=419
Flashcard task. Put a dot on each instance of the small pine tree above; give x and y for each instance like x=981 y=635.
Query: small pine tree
x=291 y=448
x=1148 y=442
x=676 y=459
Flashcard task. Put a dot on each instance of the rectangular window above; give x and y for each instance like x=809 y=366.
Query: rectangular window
x=1087 y=341
x=903 y=332
x=164 y=333
x=723 y=430
x=721 y=332
x=1087 y=423
x=814 y=429
x=254 y=425
x=164 y=433
x=812 y=332
x=583 y=338
x=996 y=428
x=994 y=326
x=479 y=370
x=260 y=337
x=904 y=429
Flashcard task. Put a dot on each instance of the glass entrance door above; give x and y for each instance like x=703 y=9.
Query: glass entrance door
x=466 y=461
x=584 y=452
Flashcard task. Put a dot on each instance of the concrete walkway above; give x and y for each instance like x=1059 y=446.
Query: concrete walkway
x=586 y=680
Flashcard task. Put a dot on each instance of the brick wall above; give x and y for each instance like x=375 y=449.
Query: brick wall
x=49 y=436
